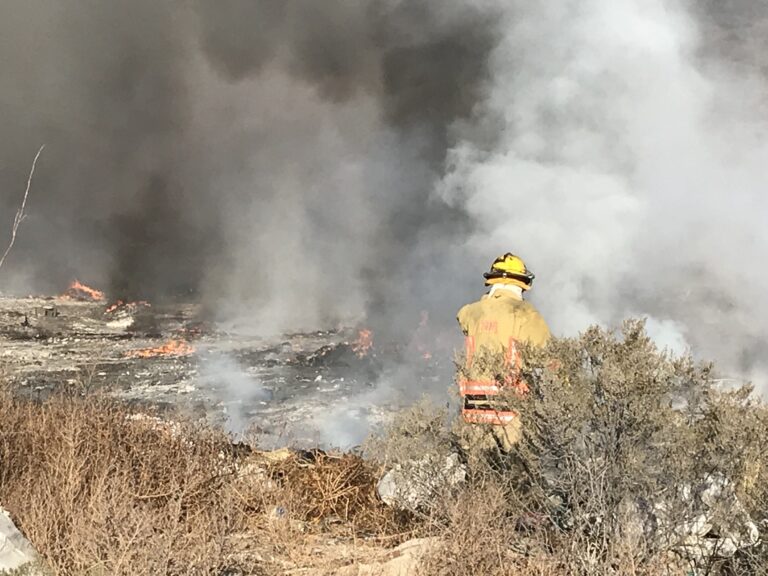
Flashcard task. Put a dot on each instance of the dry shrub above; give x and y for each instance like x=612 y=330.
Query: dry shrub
x=418 y=431
x=620 y=443
x=99 y=489
x=476 y=535
x=335 y=489
x=733 y=431
x=98 y=492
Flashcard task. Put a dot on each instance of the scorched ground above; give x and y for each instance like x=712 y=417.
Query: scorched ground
x=301 y=389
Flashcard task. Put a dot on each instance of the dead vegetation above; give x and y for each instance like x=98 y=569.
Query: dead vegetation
x=100 y=490
x=20 y=213
x=335 y=489
x=631 y=463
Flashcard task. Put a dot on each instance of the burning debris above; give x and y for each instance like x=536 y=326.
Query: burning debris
x=170 y=348
x=127 y=307
x=357 y=353
x=80 y=292
x=363 y=345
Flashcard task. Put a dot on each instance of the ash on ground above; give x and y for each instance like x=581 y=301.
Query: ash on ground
x=309 y=389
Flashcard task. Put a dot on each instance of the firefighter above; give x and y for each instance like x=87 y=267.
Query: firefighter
x=495 y=326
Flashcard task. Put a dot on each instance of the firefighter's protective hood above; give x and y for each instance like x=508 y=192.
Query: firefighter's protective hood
x=514 y=290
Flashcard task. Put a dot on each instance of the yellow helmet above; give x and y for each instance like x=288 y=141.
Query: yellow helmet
x=509 y=269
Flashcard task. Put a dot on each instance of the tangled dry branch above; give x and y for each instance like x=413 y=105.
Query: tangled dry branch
x=20 y=215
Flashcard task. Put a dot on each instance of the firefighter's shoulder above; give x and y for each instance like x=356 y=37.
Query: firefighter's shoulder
x=469 y=311
x=535 y=326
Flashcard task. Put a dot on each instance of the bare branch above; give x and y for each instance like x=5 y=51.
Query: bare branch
x=20 y=215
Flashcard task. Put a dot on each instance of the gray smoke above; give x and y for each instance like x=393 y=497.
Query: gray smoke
x=274 y=158
x=629 y=167
x=298 y=163
x=229 y=383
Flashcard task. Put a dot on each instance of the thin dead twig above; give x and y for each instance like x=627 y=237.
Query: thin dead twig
x=20 y=213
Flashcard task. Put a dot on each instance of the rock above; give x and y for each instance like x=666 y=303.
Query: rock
x=15 y=551
x=717 y=525
x=698 y=523
x=274 y=456
x=412 y=485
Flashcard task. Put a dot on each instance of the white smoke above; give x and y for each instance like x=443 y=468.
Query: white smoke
x=627 y=171
x=230 y=383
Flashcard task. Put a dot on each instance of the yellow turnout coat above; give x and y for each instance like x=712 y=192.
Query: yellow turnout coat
x=497 y=323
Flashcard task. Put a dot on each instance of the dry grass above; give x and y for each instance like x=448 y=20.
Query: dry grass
x=100 y=491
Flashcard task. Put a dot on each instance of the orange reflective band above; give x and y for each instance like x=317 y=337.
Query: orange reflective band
x=478 y=388
x=491 y=388
x=492 y=417
x=512 y=354
x=469 y=344
x=514 y=360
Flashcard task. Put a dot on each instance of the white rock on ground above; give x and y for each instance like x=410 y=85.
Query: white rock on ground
x=412 y=485
x=15 y=550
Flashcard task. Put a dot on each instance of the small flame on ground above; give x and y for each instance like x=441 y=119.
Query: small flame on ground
x=131 y=306
x=79 y=291
x=364 y=343
x=114 y=306
x=170 y=348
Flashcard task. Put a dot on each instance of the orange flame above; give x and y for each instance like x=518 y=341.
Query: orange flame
x=131 y=306
x=79 y=291
x=170 y=348
x=364 y=343
x=114 y=306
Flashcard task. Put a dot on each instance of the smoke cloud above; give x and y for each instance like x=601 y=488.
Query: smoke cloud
x=225 y=380
x=274 y=158
x=294 y=164
x=628 y=168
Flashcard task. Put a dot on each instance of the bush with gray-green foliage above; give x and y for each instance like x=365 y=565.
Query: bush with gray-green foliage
x=632 y=461
x=421 y=465
x=418 y=431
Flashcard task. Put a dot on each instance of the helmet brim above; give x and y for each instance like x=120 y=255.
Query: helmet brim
x=524 y=278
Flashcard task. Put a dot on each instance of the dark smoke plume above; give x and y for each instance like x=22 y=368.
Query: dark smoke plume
x=246 y=152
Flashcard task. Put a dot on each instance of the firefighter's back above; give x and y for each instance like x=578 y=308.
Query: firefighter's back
x=497 y=324
x=498 y=319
